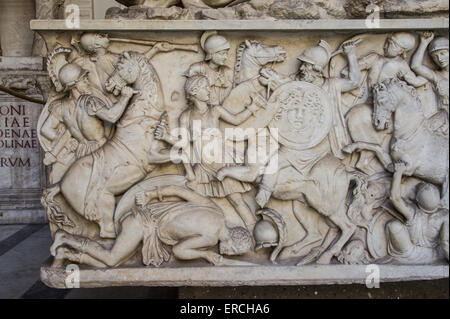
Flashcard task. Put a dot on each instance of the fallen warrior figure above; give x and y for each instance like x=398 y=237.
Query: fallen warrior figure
x=190 y=227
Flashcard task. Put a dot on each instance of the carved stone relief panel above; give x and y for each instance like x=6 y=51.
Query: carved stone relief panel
x=247 y=149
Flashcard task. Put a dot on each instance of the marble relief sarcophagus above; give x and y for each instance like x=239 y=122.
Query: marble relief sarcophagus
x=247 y=152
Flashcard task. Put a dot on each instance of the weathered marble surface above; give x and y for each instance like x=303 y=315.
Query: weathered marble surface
x=342 y=192
x=16 y=38
x=276 y=9
x=238 y=276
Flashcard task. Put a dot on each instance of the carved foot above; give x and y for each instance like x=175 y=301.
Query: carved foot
x=60 y=257
x=92 y=214
x=213 y=258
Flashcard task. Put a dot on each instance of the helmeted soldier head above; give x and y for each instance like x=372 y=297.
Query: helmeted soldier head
x=197 y=87
x=399 y=44
x=265 y=234
x=428 y=197
x=438 y=50
x=318 y=55
x=70 y=75
x=314 y=60
x=91 y=42
x=216 y=47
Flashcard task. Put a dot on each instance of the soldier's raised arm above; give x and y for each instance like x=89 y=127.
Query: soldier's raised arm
x=354 y=73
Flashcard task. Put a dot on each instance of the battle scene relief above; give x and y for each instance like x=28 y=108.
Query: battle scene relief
x=245 y=149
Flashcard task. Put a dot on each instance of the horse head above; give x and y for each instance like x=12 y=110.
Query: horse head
x=252 y=55
x=385 y=103
x=127 y=72
x=388 y=96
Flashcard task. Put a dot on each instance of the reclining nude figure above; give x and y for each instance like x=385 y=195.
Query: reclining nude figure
x=190 y=226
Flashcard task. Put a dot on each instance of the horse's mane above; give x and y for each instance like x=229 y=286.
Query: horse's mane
x=391 y=86
x=237 y=67
x=148 y=75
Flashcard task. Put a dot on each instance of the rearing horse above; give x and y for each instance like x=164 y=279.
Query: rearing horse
x=251 y=57
x=91 y=184
x=421 y=143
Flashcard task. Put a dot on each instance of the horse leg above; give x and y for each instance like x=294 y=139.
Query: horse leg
x=75 y=183
x=384 y=157
x=311 y=222
x=359 y=121
x=106 y=206
x=241 y=173
x=317 y=251
x=347 y=228
x=269 y=181
x=237 y=201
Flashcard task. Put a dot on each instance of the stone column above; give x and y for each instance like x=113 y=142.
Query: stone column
x=15 y=34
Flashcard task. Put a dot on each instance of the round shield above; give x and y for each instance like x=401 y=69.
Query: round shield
x=304 y=115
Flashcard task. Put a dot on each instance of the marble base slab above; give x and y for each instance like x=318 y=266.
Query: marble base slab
x=240 y=276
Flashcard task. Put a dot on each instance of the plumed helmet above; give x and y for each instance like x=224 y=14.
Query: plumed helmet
x=438 y=44
x=213 y=43
x=405 y=40
x=265 y=234
x=318 y=55
x=70 y=74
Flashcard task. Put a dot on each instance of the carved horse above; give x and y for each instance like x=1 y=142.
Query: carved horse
x=325 y=189
x=251 y=57
x=421 y=143
x=91 y=184
x=327 y=178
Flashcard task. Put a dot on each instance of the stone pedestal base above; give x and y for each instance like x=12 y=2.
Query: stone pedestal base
x=238 y=276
